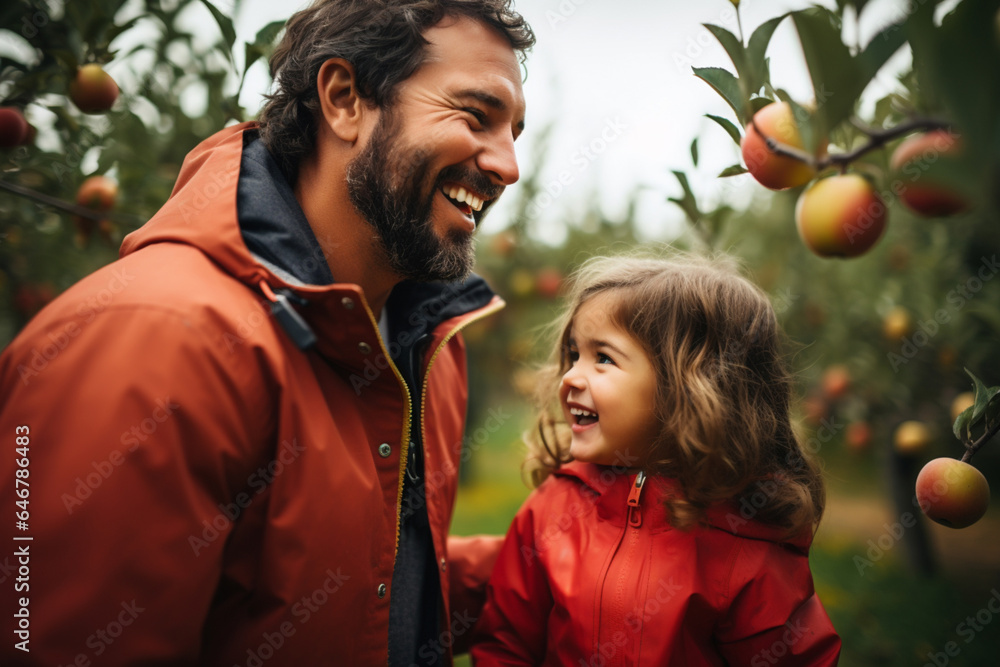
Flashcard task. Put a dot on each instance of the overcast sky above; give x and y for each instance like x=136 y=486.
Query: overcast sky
x=613 y=76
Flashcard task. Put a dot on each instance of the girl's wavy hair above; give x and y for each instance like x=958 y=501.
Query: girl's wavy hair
x=723 y=391
x=382 y=39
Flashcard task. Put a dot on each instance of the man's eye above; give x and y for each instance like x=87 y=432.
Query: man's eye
x=477 y=114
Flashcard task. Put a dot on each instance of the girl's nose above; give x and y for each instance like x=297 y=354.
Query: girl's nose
x=573 y=379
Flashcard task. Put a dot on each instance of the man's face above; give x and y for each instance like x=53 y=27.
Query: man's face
x=443 y=152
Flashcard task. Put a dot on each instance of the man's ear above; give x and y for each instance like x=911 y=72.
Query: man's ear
x=341 y=103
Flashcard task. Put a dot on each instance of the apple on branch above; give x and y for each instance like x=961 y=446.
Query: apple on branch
x=778 y=172
x=14 y=129
x=93 y=90
x=840 y=216
x=918 y=189
x=98 y=193
x=952 y=492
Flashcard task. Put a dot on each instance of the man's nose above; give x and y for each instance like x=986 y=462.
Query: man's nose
x=498 y=159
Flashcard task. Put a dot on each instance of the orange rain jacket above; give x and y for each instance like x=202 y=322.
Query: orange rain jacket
x=593 y=575
x=201 y=491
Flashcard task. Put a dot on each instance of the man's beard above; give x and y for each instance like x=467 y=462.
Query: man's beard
x=390 y=190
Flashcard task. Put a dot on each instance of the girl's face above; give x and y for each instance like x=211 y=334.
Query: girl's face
x=608 y=393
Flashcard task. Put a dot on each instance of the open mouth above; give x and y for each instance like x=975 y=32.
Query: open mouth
x=582 y=417
x=462 y=199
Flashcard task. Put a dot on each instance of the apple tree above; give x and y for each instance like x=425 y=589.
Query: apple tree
x=99 y=103
x=884 y=239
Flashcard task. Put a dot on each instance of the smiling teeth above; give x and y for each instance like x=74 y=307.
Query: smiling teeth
x=579 y=412
x=461 y=195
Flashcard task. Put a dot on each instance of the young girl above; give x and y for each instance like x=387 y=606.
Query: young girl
x=677 y=508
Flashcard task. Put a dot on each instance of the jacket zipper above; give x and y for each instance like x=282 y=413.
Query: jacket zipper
x=634 y=522
x=485 y=312
x=405 y=447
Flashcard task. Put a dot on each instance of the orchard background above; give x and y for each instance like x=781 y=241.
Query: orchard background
x=877 y=340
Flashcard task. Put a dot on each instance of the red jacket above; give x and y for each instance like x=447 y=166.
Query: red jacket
x=201 y=490
x=585 y=580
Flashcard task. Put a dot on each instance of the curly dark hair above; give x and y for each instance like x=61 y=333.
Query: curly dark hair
x=723 y=396
x=382 y=39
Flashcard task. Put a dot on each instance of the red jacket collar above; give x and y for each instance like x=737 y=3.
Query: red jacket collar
x=610 y=487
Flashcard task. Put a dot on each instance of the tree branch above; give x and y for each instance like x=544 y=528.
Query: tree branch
x=75 y=209
x=876 y=139
x=974 y=447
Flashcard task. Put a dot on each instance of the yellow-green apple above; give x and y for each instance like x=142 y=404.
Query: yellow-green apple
x=897 y=324
x=92 y=89
x=962 y=402
x=778 y=172
x=13 y=127
x=98 y=193
x=521 y=282
x=914 y=164
x=859 y=436
x=911 y=437
x=952 y=492
x=836 y=381
x=840 y=216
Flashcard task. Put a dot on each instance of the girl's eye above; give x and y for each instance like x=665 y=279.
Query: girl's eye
x=604 y=359
x=573 y=356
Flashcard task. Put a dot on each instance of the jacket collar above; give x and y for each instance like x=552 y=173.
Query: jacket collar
x=203 y=212
x=611 y=486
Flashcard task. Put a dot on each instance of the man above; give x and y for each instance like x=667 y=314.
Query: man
x=242 y=438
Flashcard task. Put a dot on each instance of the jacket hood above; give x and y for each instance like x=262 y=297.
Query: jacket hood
x=612 y=485
x=201 y=210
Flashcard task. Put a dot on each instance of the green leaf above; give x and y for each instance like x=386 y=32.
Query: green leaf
x=694 y=151
x=732 y=45
x=225 y=25
x=756 y=50
x=728 y=126
x=881 y=47
x=835 y=75
x=758 y=103
x=116 y=30
x=687 y=203
x=726 y=84
x=962 y=423
x=984 y=395
x=803 y=118
x=734 y=170
x=267 y=34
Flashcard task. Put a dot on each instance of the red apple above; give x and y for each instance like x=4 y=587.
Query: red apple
x=916 y=185
x=548 y=282
x=93 y=90
x=13 y=127
x=859 y=436
x=98 y=193
x=836 y=381
x=815 y=409
x=840 y=216
x=776 y=121
x=952 y=493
